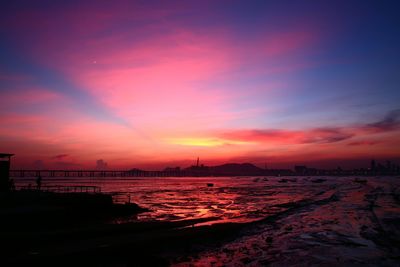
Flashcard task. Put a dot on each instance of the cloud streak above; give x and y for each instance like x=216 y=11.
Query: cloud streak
x=60 y=157
x=312 y=136
x=321 y=135
x=390 y=122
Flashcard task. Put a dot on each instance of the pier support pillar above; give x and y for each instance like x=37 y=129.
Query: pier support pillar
x=5 y=184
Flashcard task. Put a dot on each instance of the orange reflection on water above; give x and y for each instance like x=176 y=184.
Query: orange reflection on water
x=230 y=199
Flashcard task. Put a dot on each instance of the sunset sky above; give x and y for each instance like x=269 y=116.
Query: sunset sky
x=152 y=84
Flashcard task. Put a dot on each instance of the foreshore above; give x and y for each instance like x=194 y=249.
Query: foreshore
x=338 y=222
x=152 y=243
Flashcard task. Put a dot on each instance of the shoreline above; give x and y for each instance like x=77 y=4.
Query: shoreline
x=356 y=220
x=152 y=243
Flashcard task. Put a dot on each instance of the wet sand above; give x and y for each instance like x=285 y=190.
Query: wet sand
x=337 y=222
x=358 y=225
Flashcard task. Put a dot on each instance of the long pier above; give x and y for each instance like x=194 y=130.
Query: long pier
x=64 y=189
x=96 y=173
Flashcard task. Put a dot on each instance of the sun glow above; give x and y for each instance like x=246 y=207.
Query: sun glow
x=204 y=142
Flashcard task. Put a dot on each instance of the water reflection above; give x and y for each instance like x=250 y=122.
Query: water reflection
x=234 y=199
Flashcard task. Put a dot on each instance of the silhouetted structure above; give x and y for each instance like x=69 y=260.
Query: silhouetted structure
x=5 y=183
x=172 y=169
x=228 y=169
x=300 y=169
x=39 y=182
x=373 y=165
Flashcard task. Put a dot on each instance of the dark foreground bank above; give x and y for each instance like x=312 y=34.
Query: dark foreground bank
x=46 y=228
x=43 y=228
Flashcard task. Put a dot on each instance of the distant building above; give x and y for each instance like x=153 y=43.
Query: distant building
x=299 y=169
x=373 y=165
x=388 y=165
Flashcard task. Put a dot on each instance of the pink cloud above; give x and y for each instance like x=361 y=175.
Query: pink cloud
x=171 y=67
x=173 y=73
x=165 y=83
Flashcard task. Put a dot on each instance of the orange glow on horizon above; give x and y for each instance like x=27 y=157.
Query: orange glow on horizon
x=206 y=142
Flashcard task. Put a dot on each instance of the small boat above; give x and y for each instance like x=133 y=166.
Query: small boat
x=210 y=184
